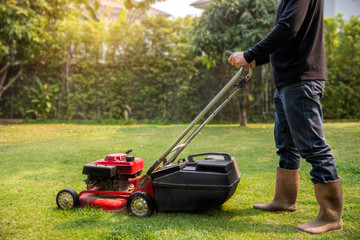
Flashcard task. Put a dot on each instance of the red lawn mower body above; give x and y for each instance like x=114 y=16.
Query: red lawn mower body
x=188 y=185
x=119 y=164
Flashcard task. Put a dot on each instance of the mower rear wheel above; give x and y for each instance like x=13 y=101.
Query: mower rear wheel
x=140 y=204
x=67 y=198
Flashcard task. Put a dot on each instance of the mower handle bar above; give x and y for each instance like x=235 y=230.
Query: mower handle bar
x=204 y=111
x=179 y=149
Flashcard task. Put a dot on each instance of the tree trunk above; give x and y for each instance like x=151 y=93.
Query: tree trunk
x=243 y=107
x=4 y=75
x=243 y=117
x=67 y=81
x=266 y=79
x=11 y=103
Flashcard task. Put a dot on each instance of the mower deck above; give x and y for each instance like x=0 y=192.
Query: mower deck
x=105 y=200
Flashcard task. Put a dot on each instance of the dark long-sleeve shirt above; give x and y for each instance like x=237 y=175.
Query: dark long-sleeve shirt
x=295 y=46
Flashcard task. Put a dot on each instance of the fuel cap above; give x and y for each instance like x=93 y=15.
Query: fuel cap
x=130 y=158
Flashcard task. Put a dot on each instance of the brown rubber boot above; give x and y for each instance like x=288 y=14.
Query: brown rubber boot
x=329 y=197
x=286 y=191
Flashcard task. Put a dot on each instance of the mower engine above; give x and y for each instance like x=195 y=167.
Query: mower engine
x=113 y=172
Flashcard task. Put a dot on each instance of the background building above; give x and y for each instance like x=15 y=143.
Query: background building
x=111 y=10
x=347 y=7
x=201 y=4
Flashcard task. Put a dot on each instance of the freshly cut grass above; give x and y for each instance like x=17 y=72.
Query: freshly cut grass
x=39 y=160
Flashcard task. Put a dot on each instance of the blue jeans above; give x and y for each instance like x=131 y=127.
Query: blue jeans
x=299 y=130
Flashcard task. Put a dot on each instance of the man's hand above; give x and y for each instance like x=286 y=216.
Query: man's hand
x=237 y=59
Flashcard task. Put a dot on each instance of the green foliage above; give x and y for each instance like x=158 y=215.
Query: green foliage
x=127 y=70
x=149 y=68
x=163 y=67
x=139 y=4
x=343 y=50
x=41 y=99
x=26 y=35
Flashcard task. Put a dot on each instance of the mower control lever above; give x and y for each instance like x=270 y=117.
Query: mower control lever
x=178 y=147
x=226 y=156
x=128 y=151
x=182 y=163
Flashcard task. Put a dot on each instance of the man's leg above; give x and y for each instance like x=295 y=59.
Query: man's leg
x=303 y=112
x=287 y=151
x=304 y=115
x=287 y=175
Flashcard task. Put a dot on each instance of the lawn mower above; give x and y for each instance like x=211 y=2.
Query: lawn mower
x=114 y=183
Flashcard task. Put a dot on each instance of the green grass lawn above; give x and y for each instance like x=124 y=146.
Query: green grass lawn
x=38 y=160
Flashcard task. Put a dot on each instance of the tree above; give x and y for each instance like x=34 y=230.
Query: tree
x=158 y=65
x=125 y=69
x=26 y=33
x=342 y=41
x=235 y=25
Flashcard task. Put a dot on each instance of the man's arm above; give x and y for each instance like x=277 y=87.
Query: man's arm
x=237 y=59
x=286 y=28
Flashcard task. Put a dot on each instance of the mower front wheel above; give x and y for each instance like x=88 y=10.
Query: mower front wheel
x=67 y=198
x=140 y=204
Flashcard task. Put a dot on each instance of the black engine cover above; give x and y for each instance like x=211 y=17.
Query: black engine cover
x=97 y=170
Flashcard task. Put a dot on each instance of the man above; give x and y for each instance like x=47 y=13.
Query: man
x=295 y=49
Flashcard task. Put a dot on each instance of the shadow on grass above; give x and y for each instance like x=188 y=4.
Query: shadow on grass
x=212 y=224
x=218 y=220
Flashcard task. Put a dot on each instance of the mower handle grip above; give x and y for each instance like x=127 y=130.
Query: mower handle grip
x=226 y=156
x=228 y=53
